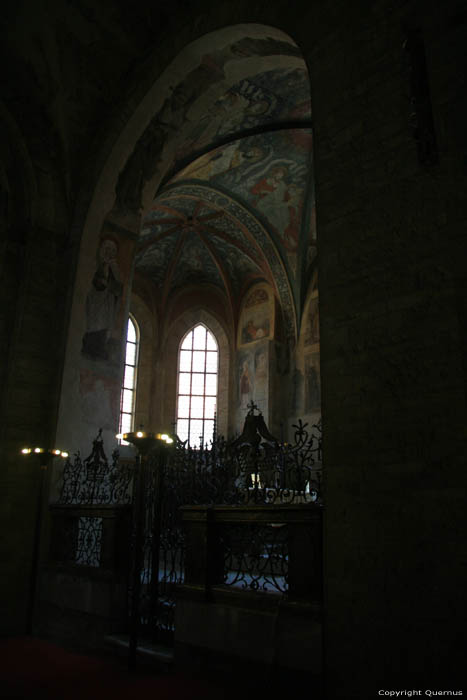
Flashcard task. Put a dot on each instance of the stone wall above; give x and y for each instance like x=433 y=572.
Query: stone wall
x=393 y=394
x=393 y=298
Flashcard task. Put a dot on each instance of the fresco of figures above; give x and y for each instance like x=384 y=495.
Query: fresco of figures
x=269 y=172
x=104 y=306
x=100 y=346
x=253 y=378
x=257 y=317
x=204 y=239
x=311 y=335
x=223 y=94
x=275 y=96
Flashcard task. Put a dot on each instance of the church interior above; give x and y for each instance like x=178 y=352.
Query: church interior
x=212 y=212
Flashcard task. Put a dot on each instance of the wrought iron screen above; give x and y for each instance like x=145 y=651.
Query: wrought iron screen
x=253 y=470
x=93 y=481
x=256 y=556
x=241 y=472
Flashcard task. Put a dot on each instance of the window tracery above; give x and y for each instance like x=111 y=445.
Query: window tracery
x=128 y=393
x=197 y=381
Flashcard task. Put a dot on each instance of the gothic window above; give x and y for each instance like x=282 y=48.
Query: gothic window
x=127 y=397
x=198 y=362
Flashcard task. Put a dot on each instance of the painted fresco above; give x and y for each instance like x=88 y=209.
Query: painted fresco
x=256 y=327
x=275 y=96
x=103 y=301
x=261 y=383
x=240 y=267
x=226 y=238
x=246 y=378
x=256 y=319
x=96 y=385
x=256 y=297
x=265 y=174
x=195 y=264
x=155 y=259
x=172 y=212
x=311 y=335
x=200 y=222
x=161 y=216
x=312 y=383
x=253 y=377
x=268 y=172
x=99 y=400
x=226 y=225
x=233 y=222
x=190 y=99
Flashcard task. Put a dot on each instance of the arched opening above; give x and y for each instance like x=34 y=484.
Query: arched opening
x=130 y=372
x=216 y=198
x=197 y=386
x=233 y=208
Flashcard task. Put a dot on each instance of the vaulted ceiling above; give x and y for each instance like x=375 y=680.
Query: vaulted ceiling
x=235 y=204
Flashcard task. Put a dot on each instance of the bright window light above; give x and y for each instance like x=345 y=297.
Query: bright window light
x=127 y=397
x=198 y=363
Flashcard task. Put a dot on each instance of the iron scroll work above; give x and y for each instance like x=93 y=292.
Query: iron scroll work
x=255 y=469
x=90 y=488
x=94 y=480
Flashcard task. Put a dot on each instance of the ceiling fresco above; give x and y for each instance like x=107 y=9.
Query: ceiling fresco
x=195 y=263
x=232 y=210
x=276 y=97
x=235 y=240
x=188 y=98
x=268 y=172
x=187 y=240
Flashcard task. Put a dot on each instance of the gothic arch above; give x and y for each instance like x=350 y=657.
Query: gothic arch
x=139 y=157
x=175 y=334
x=148 y=335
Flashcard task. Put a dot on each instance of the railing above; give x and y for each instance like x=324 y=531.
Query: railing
x=91 y=536
x=95 y=480
x=256 y=548
x=250 y=469
x=243 y=515
x=91 y=518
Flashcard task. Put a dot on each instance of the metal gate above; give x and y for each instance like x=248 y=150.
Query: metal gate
x=253 y=469
x=157 y=549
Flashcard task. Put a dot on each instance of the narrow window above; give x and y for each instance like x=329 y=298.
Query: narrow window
x=197 y=386
x=127 y=397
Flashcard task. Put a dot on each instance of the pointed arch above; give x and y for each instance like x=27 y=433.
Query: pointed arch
x=197 y=385
x=175 y=335
x=128 y=392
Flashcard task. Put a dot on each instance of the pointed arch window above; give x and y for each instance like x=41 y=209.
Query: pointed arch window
x=198 y=363
x=128 y=395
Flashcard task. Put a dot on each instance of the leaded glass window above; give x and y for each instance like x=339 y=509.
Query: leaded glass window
x=127 y=397
x=198 y=363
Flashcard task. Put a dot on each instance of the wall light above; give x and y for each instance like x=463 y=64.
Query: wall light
x=55 y=452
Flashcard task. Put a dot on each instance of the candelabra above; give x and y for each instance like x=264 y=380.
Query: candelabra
x=43 y=457
x=145 y=443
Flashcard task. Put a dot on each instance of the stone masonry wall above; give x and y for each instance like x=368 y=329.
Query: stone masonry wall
x=393 y=381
